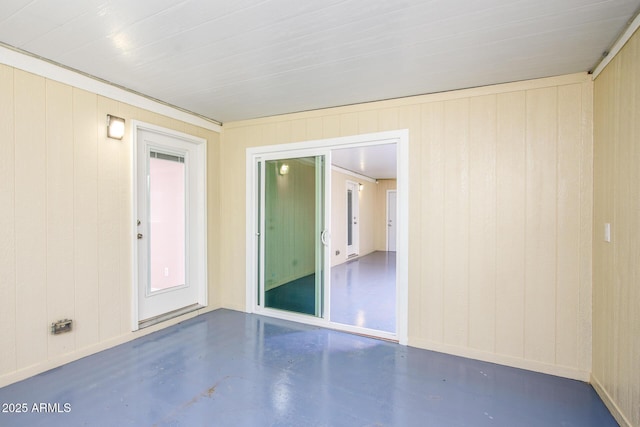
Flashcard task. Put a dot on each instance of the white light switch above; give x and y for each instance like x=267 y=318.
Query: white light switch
x=607 y=232
x=166 y=272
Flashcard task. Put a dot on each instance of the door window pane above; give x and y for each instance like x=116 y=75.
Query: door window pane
x=291 y=238
x=167 y=221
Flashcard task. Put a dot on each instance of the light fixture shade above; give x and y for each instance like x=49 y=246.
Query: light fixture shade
x=115 y=127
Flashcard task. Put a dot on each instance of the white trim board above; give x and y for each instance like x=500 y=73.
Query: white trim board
x=50 y=70
x=617 y=46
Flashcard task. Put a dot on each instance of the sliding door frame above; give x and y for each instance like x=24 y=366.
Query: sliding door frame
x=314 y=147
x=323 y=261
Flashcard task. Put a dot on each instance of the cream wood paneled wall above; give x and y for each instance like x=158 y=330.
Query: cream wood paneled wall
x=616 y=277
x=500 y=214
x=65 y=221
x=381 y=212
x=366 y=200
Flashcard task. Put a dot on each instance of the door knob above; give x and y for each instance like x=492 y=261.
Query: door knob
x=139 y=236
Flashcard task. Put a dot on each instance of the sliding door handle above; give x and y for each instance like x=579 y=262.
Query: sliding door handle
x=324 y=236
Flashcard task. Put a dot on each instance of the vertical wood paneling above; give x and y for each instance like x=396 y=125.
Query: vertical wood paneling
x=541 y=249
x=616 y=347
x=482 y=222
x=432 y=218
x=268 y=134
x=605 y=112
x=456 y=222
x=585 y=312
x=388 y=119
x=109 y=286
x=233 y=255
x=314 y=128
x=7 y=224
x=634 y=298
x=568 y=187
x=486 y=176
x=338 y=218
x=368 y=121
x=214 y=251
x=299 y=130
x=330 y=126
x=511 y=224
x=85 y=214
x=65 y=228
x=290 y=222
x=123 y=216
x=409 y=118
x=626 y=223
x=283 y=132
x=367 y=206
x=348 y=124
x=30 y=219
x=60 y=218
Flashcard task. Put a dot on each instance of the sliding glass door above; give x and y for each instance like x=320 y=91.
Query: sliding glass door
x=292 y=236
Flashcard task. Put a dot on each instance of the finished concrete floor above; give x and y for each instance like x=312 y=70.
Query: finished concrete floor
x=227 y=368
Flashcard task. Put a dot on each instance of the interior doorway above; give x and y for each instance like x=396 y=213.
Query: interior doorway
x=259 y=251
x=363 y=283
x=353 y=213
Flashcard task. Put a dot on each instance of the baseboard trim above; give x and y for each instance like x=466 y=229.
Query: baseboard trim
x=609 y=402
x=513 y=362
x=168 y=316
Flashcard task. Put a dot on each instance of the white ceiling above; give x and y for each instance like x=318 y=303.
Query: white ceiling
x=375 y=161
x=231 y=60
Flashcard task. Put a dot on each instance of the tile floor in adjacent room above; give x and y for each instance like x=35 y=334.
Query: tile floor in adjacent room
x=227 y=368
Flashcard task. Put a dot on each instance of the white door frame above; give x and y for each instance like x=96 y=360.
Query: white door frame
x=389 y=192
x=198 y=214
x=401 y=139
x=354 y=249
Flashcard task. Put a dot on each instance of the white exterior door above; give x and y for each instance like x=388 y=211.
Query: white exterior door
x=353 y=212
x=392 y=225
x=171 y=230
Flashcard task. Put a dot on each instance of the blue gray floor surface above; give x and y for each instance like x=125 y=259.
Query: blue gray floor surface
x=363 y=292
x=227 y=368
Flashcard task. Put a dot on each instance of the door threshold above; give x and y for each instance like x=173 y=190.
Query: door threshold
x=170 y=315
x=375 y=337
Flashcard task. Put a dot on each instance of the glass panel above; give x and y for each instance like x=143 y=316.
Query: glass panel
x=167 y=221
x=320 y=244
x=349 y=216
x=258 y=227
x=292 y=280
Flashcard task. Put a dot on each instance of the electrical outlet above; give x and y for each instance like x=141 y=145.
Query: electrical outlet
x=61 y=326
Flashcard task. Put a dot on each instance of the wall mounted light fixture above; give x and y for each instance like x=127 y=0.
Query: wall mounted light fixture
x=360 y=186
x=115 y=127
